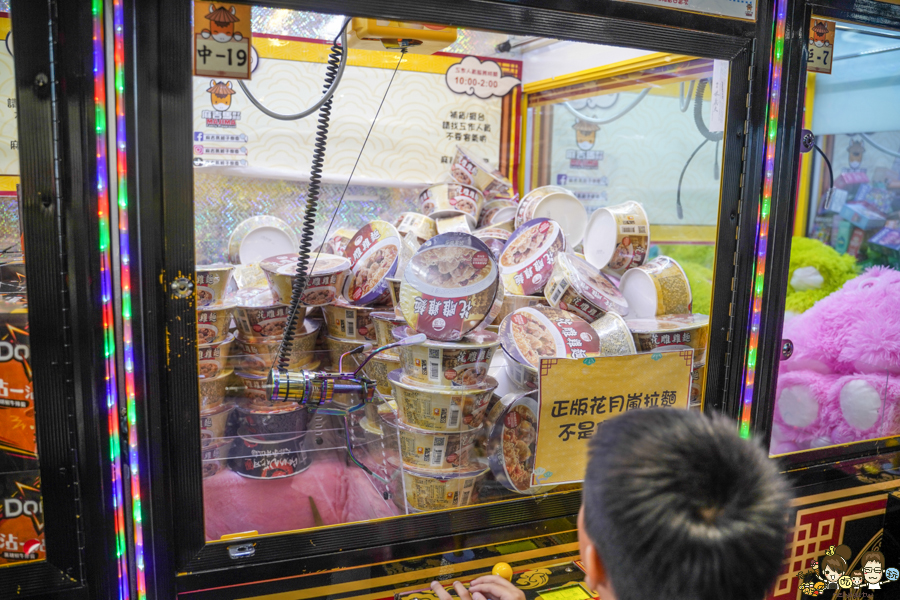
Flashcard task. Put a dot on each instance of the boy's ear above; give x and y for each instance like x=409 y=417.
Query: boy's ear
x=595 y=570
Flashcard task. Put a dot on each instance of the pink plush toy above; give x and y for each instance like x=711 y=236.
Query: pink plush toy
x=842 y=383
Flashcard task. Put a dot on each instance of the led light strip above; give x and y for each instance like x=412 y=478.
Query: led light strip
x=106 y=291
x=765 y=204
x=125 y=282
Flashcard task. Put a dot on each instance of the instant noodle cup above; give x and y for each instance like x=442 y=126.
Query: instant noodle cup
x=424 y=449
x=494 y=239
x=497 y=211
x=459 y=364
x=426 y=490
x=255 y=390
x=266 y=421
x=212 y=282
x=373 y=254
x=327 y=275
x=522 y=375
x=469 y=170
x=452 y=200
x=617 y=238
x=530 y=334
x=214 y=457
x=213 y=323
x=512 y=442
x=268 y=458
x=449 y=286
x=558 y=204
x=212 y=390
x=256 y=313
x=213 y=423
x=529 y=255
x=615 y=337
x=337 y=242
x=338 y=347
x=441 y=409
x=658 y=288
x=578 y=287
x=672 y=332
x=394 y=288
x=412 y=222
x=513 y=302
x=385 y=323
x=214 y=357
x=259 y=354
x=697 y=380
x=351 y=322
x=379 y=368
x=459 y=224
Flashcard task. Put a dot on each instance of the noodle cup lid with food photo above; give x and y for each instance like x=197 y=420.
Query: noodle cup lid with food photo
x=617 y=238
x=373 y=254
x=326 y=277
x=529 y=255
x=449 y=286
x=658 y=288
x=512 y=442
x=212 y=282
x=577 y=286
x=452 y=200
x=530 y=334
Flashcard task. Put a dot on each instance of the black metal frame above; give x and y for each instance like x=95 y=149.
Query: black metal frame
x=781 y=227
x=158 y=82
x=60 y=232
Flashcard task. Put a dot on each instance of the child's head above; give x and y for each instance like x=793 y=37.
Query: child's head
x=835 y=565
x=856 y=577
x=676 y=505
x=873 y=566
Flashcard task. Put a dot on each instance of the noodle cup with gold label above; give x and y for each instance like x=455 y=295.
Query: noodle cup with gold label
x=327 y=274
x=558 y=204
x=337 y=241
x=470 y=170
x=385 y=323
x=212 y=390
x=497 y=211
x=672 y=332
x=529 y=255
x=256 y=313
x=412 y=222
x=530 y=334
x=394 y=288
x=337 y=347
x=441 y=409
x=373 y=253
x=255 y=390
x=448 y=364
x=449 y=286
x=212 y=282
x=214 y=457
x=513 y=302
x=658 y=288
x=617 y=238
x=351 y=322
x=436 y=450
x=459 y=224
x=259 y=354
x=379 y=369
x=578 y=287
x=213 y=423
x=213 y=323
x=452 y=200
x=214 y=357
x=435 y=490
x=615 y=337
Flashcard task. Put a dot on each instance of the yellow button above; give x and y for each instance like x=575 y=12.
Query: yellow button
x=503 y=570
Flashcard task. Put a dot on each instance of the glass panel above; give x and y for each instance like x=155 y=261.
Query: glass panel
x=462 y=128
x=21 y=517
x=839 y=386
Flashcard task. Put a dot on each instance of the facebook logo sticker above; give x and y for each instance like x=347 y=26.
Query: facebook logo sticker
x=198 y=136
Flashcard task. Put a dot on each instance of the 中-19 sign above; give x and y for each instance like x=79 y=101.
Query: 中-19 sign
x=222 y=38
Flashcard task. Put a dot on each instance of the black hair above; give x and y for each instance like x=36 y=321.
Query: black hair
x=679 y=507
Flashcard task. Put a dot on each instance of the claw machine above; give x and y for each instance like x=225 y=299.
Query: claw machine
x=368 y=240
x=821 y=390
x=62 y=517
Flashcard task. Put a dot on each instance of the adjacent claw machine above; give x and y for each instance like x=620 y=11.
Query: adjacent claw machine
x=389 y=265
x=822 y=389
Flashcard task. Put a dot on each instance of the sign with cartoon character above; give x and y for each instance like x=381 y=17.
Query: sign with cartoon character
x=821 y=46
x=838 y=575
x=222 y=40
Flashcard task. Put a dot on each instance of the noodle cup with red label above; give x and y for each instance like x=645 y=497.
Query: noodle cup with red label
x=672 y=332
x=435 y=450
x=412 y=222
x=213 y=323
x=441 y=409
x=617 y=238
x=558 y=204
x=212 y=282
x=337 y=241
x=578 y=287
x=527 y=260
x=497 y=211
x=265 y=458
x=327 y=274
x=373 y=254
x=351 y=322
x=213 y=423
x=259 y=354
x=530 y=334
x=658 y=288
x=449 y=286
x=512 y=443
x=470 y=170
x=214 y=457
x=256 y=313
x=214 y=357
x=452 y=200
x=513 y=302
x=458 y=364
x=494 y=239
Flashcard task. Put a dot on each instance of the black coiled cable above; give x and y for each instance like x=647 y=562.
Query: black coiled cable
x=309 y=215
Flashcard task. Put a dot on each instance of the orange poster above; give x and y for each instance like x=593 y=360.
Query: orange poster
x=222 y=37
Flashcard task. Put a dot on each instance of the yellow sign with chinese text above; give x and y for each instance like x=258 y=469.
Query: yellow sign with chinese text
x=821 y=46
x=222 y=39
x=577 y=396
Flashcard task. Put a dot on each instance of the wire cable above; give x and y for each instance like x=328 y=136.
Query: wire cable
x=878 y=146
x=605 y=120
x=698 y=114
x=828 y=164
x=684 y=100
x=681 y=178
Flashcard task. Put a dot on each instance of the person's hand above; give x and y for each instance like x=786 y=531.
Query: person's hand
x=489 y=587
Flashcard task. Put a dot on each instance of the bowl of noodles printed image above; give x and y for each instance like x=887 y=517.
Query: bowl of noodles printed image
x=512 y=443
x=451 y=200
x=527 y=259
x=530 y=334
x=373 y=254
